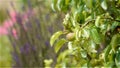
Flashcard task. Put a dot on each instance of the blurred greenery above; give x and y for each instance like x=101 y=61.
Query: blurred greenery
x=91 y=32
x=3 y=16
x=5 y=56
x=46 y=20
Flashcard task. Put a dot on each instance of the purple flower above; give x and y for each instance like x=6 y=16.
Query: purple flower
x=26 y=48
x=37 y=22
x=47 y=17
x=38 y=37
x=28 y=25
x=50 y=29
x=47 y=43
x=16 y=58
x=19 y=19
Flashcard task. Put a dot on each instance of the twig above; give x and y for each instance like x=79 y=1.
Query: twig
x=112 y=19
x=87 y=22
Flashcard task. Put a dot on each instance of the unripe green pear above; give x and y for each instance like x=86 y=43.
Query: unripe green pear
x=70 y=36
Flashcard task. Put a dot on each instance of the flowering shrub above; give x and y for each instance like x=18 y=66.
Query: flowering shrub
x=31 y=33
x=7 y=23
x=91 y=32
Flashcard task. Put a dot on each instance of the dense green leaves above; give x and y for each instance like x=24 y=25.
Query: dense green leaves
x=89 y=3
x=117 y=58
x=115 y=42
x=60 y=5
x=95 y=36
x=93 y=33
x=107 y=51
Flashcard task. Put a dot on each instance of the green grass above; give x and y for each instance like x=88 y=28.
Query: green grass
x=5 y=56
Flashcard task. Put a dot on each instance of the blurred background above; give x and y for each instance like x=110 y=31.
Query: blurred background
x=5 y=45
x=25 y=29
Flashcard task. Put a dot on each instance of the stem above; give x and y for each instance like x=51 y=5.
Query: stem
x=87 y=22
x=112 y=19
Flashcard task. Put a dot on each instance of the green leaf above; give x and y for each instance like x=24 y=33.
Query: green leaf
x=89 y=3
x=59 y=44
x=107 y=50
x=53 y=5
x=48 y=62
x=117 y=58
x=115 y=42
x=62 y=55
x=92 y=46
x=77 y=33
x=114 y=25
x=86 y=33
x=67 y=2
x=110 y=64
x=79 y=16
x=104 y=5
x=60 y=4
x=55 y=37
x=97 y=22
x=83 y=54
x=95 y=36
x=70 y=45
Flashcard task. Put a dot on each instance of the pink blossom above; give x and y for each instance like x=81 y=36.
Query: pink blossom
x=3 y=31
x=14 y=32
x=4 y=28
x=13 y=16
x=7 y=24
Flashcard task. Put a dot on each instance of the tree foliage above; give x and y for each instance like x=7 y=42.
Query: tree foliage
x=91 y=32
